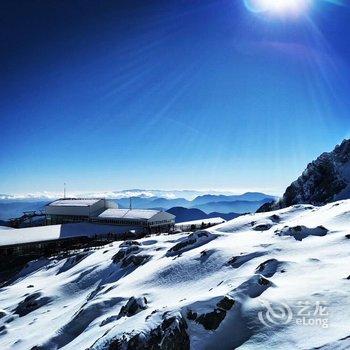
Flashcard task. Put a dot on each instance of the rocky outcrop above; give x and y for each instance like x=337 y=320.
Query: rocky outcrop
x=324 y=180
x=193 y=240
x=124 y=252
x=213 y=319
x=171 y=334
x=268 y=268
x=133 y=306
x=129 y=255
x=301 y=232
x=30 y=303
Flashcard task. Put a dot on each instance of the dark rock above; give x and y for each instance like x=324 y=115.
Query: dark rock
x=3 y=330
x=73 y=261
x=133 y=306
x=191 y=315
x=264 y=282
x=268 y=268
x=171 y=334
x=129 y=243
x=194 y=240
x=123 y=252
x=238 y=261
x=275 y=218
x=213 y=319
x=183 y=244
x=109 y=320
x=226 y=303
x=150 y=315
x=136 y=260
x=302 y=232
x=233 y=260
x=270 y=206
x=31 y=303
x=262 y=227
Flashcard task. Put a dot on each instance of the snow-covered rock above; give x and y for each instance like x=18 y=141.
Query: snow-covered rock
x=241 y=285
x=194 y=240
x=325 y=180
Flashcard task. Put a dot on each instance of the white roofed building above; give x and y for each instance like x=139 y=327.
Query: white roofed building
x=151 y=220
x=102 y=211
x=68 y=210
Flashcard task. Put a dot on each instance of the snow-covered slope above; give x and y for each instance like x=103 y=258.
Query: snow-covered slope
x=207 y=290
x=5 y=228
x=325 y=180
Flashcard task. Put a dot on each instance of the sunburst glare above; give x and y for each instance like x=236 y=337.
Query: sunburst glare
x=279 y=7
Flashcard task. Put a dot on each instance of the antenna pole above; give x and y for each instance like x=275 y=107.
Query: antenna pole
x=130 y=207
x=64 y=190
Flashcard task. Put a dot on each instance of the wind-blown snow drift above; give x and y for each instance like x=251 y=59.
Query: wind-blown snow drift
x=191 y=291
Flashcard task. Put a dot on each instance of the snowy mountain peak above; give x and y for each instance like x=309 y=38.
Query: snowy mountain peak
x=192 y=291
x=326 y=179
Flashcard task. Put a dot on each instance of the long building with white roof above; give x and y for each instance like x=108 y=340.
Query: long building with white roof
x=154 y=220
x=102 y=211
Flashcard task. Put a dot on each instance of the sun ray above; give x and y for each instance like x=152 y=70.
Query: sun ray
x=279 y=7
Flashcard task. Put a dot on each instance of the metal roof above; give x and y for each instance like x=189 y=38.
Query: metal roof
x=72 y=202
x=141 y=214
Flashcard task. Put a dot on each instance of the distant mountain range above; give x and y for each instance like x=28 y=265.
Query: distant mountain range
x=207 y=203
x=152 y=202
x=248 y=196
x=247 y=202
x=14 y=209
x=188 y=214
x=233 y=206
x=325 y=180
x=140 y=193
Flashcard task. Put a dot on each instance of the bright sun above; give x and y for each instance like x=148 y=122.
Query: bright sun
x=279 y=7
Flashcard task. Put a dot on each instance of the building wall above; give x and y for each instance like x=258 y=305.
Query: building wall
x=162 y=218
x=65 y=219
x=121 y=222
x=76 y=210
x=164 y=228
x=73 y=210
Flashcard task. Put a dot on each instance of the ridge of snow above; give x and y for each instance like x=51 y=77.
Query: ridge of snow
x=211 y=289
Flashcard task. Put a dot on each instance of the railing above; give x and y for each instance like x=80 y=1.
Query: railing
x=27 y=215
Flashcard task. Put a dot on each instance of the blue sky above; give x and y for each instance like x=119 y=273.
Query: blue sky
x=203 y=94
